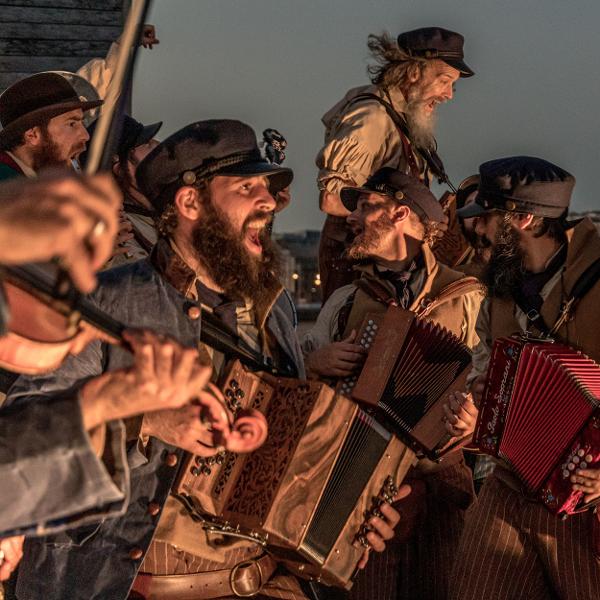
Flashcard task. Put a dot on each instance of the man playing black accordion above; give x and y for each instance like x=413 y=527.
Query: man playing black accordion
x=392 y=217
x=538 y=262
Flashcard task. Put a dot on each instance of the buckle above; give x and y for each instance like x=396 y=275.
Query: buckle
x=233 y=582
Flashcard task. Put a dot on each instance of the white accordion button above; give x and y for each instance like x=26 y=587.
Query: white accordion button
x=589 y=458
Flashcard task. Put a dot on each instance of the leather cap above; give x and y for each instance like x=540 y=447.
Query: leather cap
x=436 y=42
x=42 y=96
x=523 y=184
x=205 y=149
x=402 y=188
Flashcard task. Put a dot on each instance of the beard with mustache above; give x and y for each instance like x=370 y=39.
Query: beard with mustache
x=228 y=262
x=505 y=270
x=367 y=242
x=421 y=123
x=49 y=153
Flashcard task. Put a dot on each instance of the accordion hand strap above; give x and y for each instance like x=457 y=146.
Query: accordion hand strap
x=450 y=292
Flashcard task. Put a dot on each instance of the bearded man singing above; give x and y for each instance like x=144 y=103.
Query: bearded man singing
x=387 y=124
x=213 y=194
x=393 y=218
x=42 y=125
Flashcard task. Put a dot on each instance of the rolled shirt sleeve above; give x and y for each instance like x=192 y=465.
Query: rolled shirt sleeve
x=100 y=71
x=359 y=142
x=52 y=476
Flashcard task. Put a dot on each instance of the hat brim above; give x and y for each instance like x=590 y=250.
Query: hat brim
x=460 y=65
x=279 y=177
x=31 y=119
x=350 y=195
x=148 y=133
x=471 y=210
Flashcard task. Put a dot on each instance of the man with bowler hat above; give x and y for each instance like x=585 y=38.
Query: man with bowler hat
x=42 y=125
x=543 y=277
x=389 y=123
x=213 y=195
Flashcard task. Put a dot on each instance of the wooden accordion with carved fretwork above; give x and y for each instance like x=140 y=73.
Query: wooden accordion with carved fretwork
x=540 y=414
x=307 y=493
x=411 y=366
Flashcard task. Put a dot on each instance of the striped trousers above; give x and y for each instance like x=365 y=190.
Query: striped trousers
x=419 y=568
x=514 y=549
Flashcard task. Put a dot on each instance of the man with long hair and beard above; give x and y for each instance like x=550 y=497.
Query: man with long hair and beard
x=42 y=125
x=393 y=218
x=213 y=195
x=390 y=123
x=538 y=260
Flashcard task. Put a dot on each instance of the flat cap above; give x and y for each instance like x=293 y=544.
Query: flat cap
x=205 y=149
x=523 y=184
x=436 y=42
x=399 y=186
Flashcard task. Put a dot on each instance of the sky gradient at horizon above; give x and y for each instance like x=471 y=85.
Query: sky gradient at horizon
x=284 y=63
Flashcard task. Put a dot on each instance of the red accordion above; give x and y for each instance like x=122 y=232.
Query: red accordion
x=540 y=414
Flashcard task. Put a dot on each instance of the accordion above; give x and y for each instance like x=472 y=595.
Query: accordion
x=412 y=365
x=540 y=415
x=307 y=493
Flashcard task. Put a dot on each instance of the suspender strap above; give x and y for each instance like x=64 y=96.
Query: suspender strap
x=453 y=290
x=432 y=160
x=582 y=286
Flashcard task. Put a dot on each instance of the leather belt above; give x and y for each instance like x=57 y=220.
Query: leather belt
x=243 y=581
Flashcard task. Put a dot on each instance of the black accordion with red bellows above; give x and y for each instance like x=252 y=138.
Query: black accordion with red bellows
x=540 y=414
x=412 y=365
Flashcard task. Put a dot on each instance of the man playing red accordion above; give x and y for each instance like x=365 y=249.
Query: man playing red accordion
x=521 y=549
x=393 y=218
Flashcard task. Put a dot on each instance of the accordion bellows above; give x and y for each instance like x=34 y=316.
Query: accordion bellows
x=306 y=493
x=412 y=365
x=540 y=414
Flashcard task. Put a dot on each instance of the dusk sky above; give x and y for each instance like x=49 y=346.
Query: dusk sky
x=283 y=63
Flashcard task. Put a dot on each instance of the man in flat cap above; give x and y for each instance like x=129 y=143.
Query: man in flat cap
x=539 y=262
x=393 y=218
x=137 y=232
x=387 y=124
x=213 y=195
x=42 y=125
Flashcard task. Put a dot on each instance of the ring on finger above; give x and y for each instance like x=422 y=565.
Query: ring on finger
x=99 y=228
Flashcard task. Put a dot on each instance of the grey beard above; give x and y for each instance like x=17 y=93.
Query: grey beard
x=421 y=126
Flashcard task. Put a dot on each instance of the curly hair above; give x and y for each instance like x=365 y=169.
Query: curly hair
x=394 y=67
x=166 y=221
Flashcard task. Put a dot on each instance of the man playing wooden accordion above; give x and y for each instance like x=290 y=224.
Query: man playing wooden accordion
x=538 y=260
x=392 y=218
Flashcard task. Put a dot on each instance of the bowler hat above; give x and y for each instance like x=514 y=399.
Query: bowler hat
x=31 y=100
x=522 y=184
x=399 y=186
x=205 y=149
x=436 y=42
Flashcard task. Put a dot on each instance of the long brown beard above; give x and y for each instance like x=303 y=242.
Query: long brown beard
x=365 y=243
x=505 y=269
x=227 y=260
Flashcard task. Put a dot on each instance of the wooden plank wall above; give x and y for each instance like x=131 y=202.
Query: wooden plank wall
x=44 y=35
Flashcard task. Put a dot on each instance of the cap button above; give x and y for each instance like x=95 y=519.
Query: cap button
x=136 y=553
x=194 y=312
x=510 y=205
x=399 y=195
x=189 y=177
x=171 y=459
